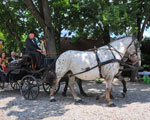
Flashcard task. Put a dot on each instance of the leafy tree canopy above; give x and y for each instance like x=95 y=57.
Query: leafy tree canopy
x=96 y=19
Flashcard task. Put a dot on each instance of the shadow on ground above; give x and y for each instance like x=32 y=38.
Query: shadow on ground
x=42 y=108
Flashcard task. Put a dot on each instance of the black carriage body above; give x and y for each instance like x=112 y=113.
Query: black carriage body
x=16 y=74
x=20 y=75
x=16 y=70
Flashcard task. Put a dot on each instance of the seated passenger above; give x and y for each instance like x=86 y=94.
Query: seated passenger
x=3 y=62
x=13 y=58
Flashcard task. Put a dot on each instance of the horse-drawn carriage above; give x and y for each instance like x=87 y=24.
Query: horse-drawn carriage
x=22 y=77
x=86 y=65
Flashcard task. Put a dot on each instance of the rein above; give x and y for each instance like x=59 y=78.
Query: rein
x=102 y=63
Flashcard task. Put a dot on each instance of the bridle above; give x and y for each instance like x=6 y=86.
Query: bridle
x=137 y=50
x=127 y=54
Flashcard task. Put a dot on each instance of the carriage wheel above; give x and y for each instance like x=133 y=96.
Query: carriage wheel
x=2 y=79
x=46 y=87
x=29 y=87
x=2 y=84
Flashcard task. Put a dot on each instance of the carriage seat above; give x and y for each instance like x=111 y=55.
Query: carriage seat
x=15 y=64
x=47 y=60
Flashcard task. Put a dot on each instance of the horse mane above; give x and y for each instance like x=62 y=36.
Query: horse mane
x=119 y=38
x=122 y=37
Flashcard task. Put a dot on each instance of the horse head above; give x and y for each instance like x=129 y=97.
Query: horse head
x=134 y=52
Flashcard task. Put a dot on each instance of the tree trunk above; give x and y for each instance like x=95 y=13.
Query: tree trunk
x=49 y=30
x=51 y=49
x=139 y=21
x=134 y=73
x=106 y=36
x=57 y=39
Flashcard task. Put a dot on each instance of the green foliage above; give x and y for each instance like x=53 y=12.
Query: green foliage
x=92 y=16
x=16 y=21
x=99 y=80
x=86 y=18
x=2 y=36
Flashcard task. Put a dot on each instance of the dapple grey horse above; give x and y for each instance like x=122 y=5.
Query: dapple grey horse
x=84 y=65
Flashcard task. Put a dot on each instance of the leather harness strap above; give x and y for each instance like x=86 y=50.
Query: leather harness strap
x=110 y=46
x=99 y=63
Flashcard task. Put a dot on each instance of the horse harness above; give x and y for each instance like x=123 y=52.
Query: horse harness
x=99 y=63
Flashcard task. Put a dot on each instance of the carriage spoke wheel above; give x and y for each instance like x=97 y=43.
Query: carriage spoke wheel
x=29 y=87
x=2 y=84
x=46 y=87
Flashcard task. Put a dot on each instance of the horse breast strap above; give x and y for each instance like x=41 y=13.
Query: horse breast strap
x=99 y=63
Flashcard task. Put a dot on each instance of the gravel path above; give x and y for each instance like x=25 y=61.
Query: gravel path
x=135 y=106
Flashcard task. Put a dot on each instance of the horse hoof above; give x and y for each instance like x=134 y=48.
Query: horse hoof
x=52 y=100
x=123 y=95
x=78 y=101
x=111 y=105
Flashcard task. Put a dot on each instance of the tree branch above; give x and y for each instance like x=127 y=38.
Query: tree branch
x=46 y=13
x=143 y=27
x=40 y=8
x=35 y=13
x=12 y=31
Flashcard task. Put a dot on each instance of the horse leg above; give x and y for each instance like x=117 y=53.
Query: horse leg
x=80 y=87
x=52 y=98
x=124 y=88
x=71 y=86
x=111 y=96
x=100 y=96
x=124 y=85
x=103 y=96
x=108 y=92
x=66 y=87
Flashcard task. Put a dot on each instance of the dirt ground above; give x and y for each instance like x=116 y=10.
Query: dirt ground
x=135 y=106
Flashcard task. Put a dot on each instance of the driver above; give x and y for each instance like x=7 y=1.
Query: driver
x=33 y=49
